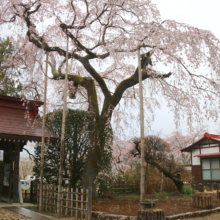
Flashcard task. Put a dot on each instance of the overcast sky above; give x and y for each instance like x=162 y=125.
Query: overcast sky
x=202 y=14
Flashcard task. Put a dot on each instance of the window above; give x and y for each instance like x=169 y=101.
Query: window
x=211 y=169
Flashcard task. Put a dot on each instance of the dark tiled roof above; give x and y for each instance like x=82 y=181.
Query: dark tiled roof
x=19 y=121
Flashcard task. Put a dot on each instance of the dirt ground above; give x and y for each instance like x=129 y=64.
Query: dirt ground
x=129 y=204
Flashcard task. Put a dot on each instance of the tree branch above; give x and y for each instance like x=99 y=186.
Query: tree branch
x=133 y=80
x=30 y=154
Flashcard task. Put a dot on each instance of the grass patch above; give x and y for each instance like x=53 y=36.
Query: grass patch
x=186 y=190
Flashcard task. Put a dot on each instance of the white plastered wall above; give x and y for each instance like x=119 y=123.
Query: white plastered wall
x=206 y=150
x=209 y=150
x=195 y=160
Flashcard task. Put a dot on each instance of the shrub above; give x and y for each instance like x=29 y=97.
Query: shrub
x=186 y=190
x=105 y=183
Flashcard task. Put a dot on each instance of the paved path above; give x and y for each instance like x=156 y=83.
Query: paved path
x=31 y=214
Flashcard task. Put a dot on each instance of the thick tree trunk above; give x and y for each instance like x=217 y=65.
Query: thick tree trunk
x=175 y=178
x=91 y=170
x=93 y=161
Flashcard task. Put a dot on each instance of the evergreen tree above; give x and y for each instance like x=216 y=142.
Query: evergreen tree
x=8 y=84
x=77 y=136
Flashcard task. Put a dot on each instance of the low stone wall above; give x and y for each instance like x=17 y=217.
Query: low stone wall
x=193 y=214
x=103 y=216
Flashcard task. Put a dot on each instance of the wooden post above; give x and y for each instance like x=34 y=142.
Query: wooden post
x=63 y=134
x=46 y=196
x=43 y=138
x=89 y=203
x=38 y=196
x=87 y=195
x=142 y=185
x=50 y=197
x=71 y=202
x=54 y=199
x=67 y=200
x=1 y=182
x=82 y=204
x=61 y=212
x=16 y=173
x=31 y=192
x=202 y=201
x=11 y=175
x=77 y=197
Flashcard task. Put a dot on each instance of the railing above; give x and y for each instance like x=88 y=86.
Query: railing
x=78 y=203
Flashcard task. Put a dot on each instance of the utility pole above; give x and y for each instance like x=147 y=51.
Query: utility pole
x=142 y=184
x=43 y=138
x=62 y=135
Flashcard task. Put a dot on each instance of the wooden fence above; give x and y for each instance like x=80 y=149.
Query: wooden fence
x=125 y=187
x=129 y=187
x=77 y=204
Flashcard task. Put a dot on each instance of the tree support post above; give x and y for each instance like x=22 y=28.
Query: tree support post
x=89 y=203
x=43 y=140
x=62 y=137
x=142 y=185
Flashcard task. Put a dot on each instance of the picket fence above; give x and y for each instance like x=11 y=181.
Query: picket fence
x=78 y=204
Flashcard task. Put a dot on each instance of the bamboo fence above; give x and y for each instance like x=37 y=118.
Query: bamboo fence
x=77 y=203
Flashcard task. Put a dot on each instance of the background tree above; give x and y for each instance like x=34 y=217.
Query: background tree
x=9 y=85
x=159 y=155
x=25 y=167
x=104 y=39
x=77 y=137
x=77 y=134
x=178 y=141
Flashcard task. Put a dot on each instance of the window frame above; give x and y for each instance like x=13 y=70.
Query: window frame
x=210 y=169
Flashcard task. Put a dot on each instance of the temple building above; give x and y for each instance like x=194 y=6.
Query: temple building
x=19 y=123
x=205 y=161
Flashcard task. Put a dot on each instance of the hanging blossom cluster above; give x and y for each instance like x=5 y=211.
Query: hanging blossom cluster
x=104 y=39
x=122 y=158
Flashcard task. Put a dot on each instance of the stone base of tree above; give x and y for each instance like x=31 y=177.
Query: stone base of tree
x=152 y=214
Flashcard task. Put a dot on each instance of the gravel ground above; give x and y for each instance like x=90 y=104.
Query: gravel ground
x=8 y=215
